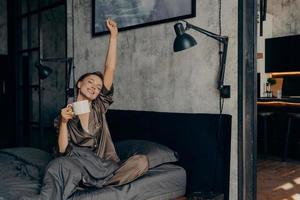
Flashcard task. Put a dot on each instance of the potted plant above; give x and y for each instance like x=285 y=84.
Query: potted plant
x=270 y=82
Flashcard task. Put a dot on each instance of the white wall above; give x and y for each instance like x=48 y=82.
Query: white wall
x=267 y=33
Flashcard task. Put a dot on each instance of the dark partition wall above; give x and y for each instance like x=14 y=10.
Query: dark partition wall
x=201 y=140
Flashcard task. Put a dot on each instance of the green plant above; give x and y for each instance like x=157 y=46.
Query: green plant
x=271 y=81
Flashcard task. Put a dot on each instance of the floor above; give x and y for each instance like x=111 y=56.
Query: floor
x=278 y=180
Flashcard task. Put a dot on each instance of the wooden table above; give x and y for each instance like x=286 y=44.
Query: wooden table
x=277 y=126
x=283 y=105
x=278 y=104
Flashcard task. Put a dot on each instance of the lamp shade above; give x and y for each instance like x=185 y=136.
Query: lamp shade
x=44 y=71
x=182 y=40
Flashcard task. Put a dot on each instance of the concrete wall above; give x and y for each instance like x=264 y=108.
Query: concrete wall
x=151 y=77
x=3 y=27
x=286 y=17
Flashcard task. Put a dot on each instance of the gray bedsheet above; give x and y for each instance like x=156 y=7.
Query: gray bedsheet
x=164 y=182
x=22 y=169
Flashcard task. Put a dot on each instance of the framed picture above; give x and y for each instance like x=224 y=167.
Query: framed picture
x=131 y=14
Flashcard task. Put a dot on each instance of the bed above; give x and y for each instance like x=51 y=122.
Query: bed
x=21 y=171
x=203 y=149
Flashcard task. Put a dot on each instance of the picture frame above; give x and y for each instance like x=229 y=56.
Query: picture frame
x=131 y=14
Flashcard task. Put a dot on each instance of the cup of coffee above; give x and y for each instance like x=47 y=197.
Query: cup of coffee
x=81 y=107
x=279 y=94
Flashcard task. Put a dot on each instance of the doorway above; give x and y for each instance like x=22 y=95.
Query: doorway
x=278 y=102
x=41 y=32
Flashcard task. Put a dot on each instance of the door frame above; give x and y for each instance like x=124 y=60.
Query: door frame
x=7 y=96
x=247 y=96
x=22 y=118
x=10 y=72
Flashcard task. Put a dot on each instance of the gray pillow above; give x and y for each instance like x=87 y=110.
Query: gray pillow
x=157 y=154
x=30 y=155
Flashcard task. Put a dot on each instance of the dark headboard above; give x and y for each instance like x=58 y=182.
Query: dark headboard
x=203 y=148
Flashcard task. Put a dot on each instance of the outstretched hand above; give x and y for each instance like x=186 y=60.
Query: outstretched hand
x=112 y=27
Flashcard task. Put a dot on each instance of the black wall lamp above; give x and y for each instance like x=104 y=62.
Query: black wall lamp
x=45 y=71
x=184 y=41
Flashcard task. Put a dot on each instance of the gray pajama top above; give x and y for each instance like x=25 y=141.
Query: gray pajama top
x=98 y=137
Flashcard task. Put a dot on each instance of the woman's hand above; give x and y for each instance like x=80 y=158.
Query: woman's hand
x=112 y=27
x=66 y=113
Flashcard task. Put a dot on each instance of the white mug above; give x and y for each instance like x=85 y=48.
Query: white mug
x=279 y=94
x=81 y=107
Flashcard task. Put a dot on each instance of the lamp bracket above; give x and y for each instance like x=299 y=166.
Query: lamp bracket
x=68 y=59
x=220 y=38
x=224 y=89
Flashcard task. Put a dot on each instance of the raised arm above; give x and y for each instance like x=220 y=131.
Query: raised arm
x=111 y=56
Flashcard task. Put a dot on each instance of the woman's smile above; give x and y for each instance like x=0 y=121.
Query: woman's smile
x=91 y=91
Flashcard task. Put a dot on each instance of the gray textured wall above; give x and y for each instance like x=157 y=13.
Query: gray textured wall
x=151 y=77
x=286 y=17
x=3 y=27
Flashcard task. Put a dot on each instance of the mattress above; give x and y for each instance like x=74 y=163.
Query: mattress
x=164 y=182
x=21 y=172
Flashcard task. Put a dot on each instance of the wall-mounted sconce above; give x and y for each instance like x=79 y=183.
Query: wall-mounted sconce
x=184 y=41
x=45 y=71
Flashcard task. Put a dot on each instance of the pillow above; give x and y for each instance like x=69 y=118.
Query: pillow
x=30 y=155
x=157 y=154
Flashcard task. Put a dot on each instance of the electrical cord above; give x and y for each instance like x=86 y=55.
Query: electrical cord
x=73 y=48
x=221 y=100
x=73 y=30
x=73 y=53
x=220 y=147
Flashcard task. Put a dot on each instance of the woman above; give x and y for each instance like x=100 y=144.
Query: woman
x=87 y=154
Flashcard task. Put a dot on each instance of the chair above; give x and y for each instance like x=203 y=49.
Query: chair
x=265 y=116
x=292 y=117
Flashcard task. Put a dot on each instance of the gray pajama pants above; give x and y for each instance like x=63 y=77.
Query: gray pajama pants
x=64 y=174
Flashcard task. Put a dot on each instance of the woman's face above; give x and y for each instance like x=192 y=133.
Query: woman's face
x=90 y=87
